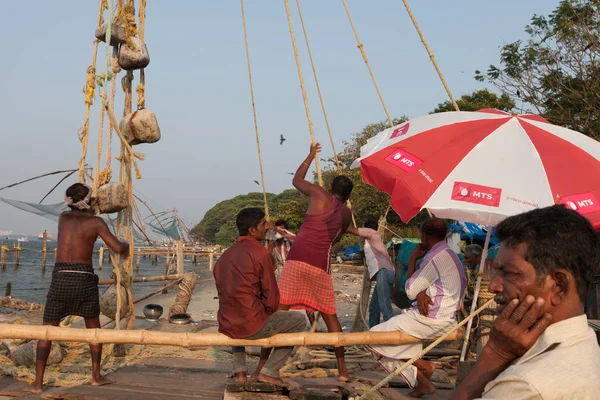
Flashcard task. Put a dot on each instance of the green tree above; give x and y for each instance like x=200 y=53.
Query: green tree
x=477 y=100
x=556 y=71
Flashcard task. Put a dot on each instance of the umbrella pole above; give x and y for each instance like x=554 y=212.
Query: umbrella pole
x=476 y=293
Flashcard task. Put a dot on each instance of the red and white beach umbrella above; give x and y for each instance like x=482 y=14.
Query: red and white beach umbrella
x=483 y=166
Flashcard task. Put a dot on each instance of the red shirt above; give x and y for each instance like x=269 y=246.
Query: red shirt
x=318 y=233
x=247 y=288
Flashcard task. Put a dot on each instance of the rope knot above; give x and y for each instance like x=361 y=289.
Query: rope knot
x=104 y=78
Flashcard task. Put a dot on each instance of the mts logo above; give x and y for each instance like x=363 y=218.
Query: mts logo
x=401 y=131
x=478 y=194
x=398 y=157
x=483 y=195
x=404 y=160
x=583 y=203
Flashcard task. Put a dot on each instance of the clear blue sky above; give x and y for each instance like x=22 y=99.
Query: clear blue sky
x=198 y=87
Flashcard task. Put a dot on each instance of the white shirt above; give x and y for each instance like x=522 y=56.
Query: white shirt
x=376 y=254
x=564 y=363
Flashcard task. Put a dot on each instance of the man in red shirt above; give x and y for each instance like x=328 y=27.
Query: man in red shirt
x=249 y=297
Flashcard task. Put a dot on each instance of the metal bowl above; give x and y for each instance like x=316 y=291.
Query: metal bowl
x=152 y=312
x=180 y=319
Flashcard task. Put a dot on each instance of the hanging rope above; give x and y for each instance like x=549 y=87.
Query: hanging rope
x=262 y=176
x=361 y=47
x=422 y=353
x=337 y=160
x=304 y=95
x=140 y=90
x=430 y=53
x=88 y=90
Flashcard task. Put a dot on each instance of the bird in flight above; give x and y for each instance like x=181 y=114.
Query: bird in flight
x=257 y=182
x=291 y=173
x=281 y=139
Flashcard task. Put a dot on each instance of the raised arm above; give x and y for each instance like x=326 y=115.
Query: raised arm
x=305 y=187
x=111 y=241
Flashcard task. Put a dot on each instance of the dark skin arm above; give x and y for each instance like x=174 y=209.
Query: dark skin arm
x=121 y=248
x=423 y=300
x=514 y=332
x=319 y=198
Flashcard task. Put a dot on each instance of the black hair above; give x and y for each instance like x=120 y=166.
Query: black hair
x=77 y=192
x=555 y=237
x=372 y=224
x=248 y=218
x=342 y=186
x=281 y=222
x=434 y=227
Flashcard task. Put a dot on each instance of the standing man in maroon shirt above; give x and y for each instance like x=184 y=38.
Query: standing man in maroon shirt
x=249 y=297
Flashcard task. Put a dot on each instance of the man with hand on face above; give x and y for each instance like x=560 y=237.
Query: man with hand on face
x=438 y=286
x=540 y=345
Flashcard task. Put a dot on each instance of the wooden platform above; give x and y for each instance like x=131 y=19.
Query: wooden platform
x=161 y=378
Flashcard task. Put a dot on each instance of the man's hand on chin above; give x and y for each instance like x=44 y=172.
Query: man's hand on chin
x=518 y=327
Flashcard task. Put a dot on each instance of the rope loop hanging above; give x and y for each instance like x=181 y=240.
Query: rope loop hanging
x=304 y=95
x=262 y=176
x=431 y=55
x=363 y=52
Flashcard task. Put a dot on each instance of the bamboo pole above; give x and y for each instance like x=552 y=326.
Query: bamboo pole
x=17 y=250
x=211 y=262
x=180 y=260
x=100 y=257
x=3 y=256
x=144 y=279
x=44 y=249
x=186 y=339
x=157 y=291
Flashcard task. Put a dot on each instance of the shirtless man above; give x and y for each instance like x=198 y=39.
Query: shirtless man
x=305 y=281
x=74 y=287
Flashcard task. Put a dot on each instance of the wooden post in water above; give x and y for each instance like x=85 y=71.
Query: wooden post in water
x=17 y=250
x=211 y=262
x=100 y=257
x=180 y=259
x=44 y=249
x=3 y=255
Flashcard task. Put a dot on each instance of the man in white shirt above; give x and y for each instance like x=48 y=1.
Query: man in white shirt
x=438 y=288
x=540 y=346
x=381 y=270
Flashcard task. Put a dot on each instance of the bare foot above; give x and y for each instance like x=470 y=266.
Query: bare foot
x=424 y=386
x=34 y=389
x=278 y=382
x=240 y=377
x=101 y=381
x=344 y=378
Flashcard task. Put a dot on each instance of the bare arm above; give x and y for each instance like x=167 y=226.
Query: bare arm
x=305 y=187
x=111 y=241
x=352 y=230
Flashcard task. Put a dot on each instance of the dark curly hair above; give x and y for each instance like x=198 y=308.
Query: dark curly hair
x=556 y=237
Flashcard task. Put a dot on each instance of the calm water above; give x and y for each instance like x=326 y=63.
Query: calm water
x=30 y=281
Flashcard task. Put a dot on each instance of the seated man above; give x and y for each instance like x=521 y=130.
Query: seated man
x=540 y=346
x=249 y=297
x=438 y=286
x=381 y=270
x=74 y=286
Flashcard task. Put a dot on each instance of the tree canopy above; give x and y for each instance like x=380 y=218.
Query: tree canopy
x=477 y=100
x=218 y=225
x=556 y=71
